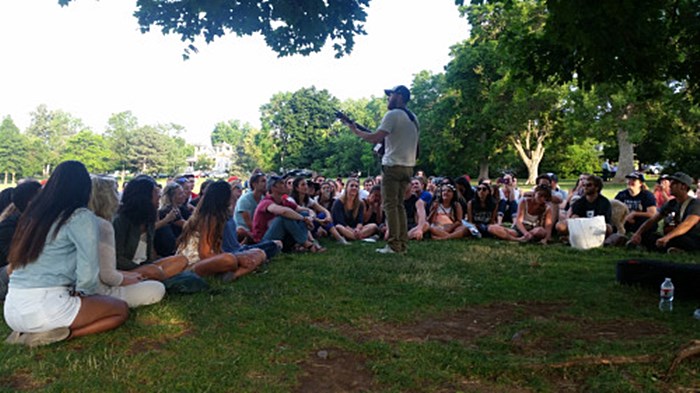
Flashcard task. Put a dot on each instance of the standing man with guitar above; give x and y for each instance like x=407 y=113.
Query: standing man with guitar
x=399 y=132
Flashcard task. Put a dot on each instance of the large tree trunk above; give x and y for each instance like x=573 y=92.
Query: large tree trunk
x=531 y=155
x=483 y=168
x=625 y=163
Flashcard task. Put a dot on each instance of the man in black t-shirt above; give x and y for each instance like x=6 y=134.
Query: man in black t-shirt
x=639 y=200
x=685 y=213
x=592 y=204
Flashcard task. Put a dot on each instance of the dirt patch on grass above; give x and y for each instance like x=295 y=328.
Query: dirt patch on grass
x=147 y=344
x=462 y=325
x=335 y=370
x=21 y=380
x=617 y=330
x=532 y=342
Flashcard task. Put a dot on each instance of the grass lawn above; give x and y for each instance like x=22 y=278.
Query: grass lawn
x=470 y=315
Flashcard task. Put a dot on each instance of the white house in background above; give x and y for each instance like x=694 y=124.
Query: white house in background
x=222 y=154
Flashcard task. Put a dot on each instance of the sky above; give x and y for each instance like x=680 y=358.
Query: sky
x=90 y=59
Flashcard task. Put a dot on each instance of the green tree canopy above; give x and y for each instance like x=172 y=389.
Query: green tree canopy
x=299 y=122
x=90 y=149
x=13 y=150
x=289 y=27
x=52 y=128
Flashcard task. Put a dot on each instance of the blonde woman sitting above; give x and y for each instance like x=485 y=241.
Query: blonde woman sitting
x=131 y=287
x=348 y=214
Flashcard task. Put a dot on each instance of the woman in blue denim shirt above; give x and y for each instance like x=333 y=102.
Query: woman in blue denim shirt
x=54 y=262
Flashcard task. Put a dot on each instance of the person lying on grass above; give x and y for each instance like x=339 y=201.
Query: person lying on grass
x=202 y=236
x=54 y=261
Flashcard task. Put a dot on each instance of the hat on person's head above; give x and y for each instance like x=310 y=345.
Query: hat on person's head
x=272 y=181
x=232 y=178
x=662 y=177
x=255 y=177
x=553 y=177
x=682 y=177
x=400 y=89
x=636 y=175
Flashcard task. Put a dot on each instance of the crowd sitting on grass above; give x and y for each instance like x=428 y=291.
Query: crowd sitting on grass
x=75 y=255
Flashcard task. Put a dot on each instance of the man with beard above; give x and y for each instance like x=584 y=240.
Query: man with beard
x=399 y=132
x=684 y=212
x=590 y=205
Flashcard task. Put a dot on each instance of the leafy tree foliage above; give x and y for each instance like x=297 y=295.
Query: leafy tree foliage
x=609 y=42
x=146 y=149
x=13 y=150
x=289 y=27
x=299 y=123
x=52 y=129
x=240 y=137
x=90 y=149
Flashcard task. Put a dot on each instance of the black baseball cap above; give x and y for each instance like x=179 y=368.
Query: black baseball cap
x=272 y=181
x=400 y=89
x=636 y=175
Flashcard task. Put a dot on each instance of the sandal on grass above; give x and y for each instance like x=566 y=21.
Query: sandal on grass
x=315 y=248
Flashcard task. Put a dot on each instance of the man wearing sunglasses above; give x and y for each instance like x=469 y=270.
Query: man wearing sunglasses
x=684 y=212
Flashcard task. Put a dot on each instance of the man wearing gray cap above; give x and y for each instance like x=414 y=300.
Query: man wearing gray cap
x=685 y=213
x=399 y=131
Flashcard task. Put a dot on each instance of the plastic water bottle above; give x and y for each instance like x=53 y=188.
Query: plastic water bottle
x=472 y=229
x=666 y=295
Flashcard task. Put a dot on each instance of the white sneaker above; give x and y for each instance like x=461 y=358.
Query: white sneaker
x=38 y=339
x=386 y=250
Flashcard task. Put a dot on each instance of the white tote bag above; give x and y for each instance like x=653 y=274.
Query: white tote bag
x=585 y=233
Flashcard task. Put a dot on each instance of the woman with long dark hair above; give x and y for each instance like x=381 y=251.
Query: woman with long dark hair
x=128 y=286
x=54 y=262
x=446 y=215
x=202 y=237
x=482 y=211
x=134 y=231
x=327 y=195
x=323 y=222
x=22 y=195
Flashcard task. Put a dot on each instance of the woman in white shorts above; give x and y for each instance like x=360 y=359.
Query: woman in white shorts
x=54 y=263
x=131 y=287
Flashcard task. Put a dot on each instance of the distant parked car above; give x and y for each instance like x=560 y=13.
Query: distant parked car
x=654 y=169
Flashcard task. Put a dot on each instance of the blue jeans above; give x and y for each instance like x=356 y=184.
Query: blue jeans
x=508 y=209
x=290 y=232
